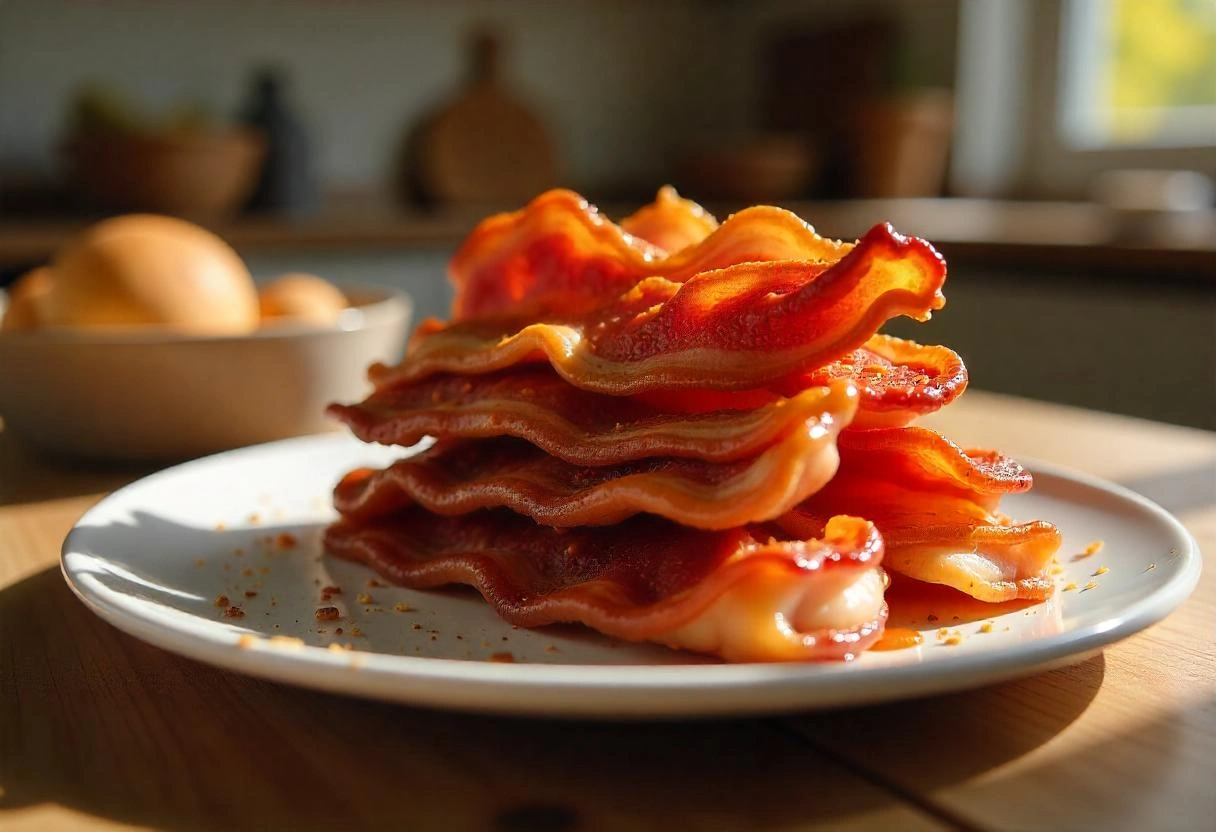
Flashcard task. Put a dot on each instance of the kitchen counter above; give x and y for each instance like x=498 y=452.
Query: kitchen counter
x=98 y=730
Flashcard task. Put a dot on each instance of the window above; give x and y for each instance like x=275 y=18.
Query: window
x=1138 y=73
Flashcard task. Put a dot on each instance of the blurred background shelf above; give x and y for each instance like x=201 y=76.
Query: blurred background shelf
x=1074 y=234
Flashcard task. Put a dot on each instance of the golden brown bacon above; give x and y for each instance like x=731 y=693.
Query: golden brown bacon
x=935 y=505
x=736 y=594
x=583 y=428
x=736 y=328
x=898 y=381
x=456 y=478
x=559 y=255
x=670 y=222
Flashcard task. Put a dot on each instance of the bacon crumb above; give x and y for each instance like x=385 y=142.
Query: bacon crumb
x=504 y=658
x=222 y=601
x=339 y=631
x=1090 y=550
x=328 y=614
x=286 y=540
x=234 y=612
x=251 y=593
x=417 y=626
x=328 y=592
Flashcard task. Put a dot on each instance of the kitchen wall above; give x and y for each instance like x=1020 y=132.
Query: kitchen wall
x=624 y=85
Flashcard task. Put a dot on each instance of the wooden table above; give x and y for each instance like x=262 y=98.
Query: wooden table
x=98 y=729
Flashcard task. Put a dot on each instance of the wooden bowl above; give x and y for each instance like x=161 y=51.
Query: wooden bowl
x=189 y=174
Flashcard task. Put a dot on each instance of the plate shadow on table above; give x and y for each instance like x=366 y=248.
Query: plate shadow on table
x=197 y=747
x=1012 y=718
x=1009 y=730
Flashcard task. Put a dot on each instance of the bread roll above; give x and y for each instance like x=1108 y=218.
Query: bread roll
x=26 y=298
x=144 y=269
x=301 y=297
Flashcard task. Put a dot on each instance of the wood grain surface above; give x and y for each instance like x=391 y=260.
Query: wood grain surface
x=98 y=730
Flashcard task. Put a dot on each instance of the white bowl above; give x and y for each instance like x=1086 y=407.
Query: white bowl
x=151 y=394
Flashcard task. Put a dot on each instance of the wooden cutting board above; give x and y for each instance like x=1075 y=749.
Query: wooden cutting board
x=486 y=146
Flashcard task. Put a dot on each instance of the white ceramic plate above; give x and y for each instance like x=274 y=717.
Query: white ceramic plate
x=153 y=557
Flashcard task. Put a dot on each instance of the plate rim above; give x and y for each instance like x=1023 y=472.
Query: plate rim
x=705 y=690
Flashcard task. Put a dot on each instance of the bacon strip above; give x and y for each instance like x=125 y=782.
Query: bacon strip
x=559 y=254
x=735 y=328
x=736 y=594
x=671 y=222
x=936 y=507
x=458 y=478
x=583 y=428
x=898 y=381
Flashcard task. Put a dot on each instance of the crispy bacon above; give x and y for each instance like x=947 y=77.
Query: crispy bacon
x=735 y=328
x=670 y=222
x=558 y=254
x=737 y=594
x=991 y=562
x=583 y=428
x=456 y=478
x=936 y=507
x=898 y=381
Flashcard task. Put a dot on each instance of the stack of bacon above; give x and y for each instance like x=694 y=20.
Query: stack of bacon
x=643 y=428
